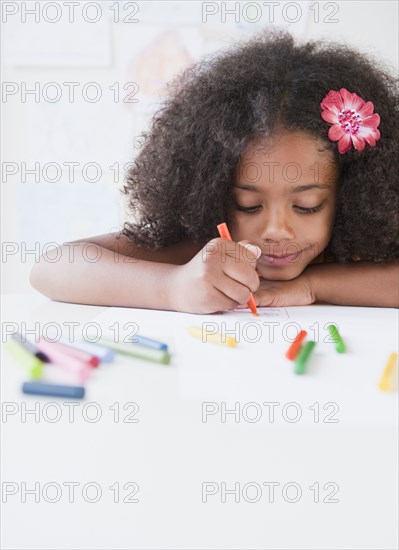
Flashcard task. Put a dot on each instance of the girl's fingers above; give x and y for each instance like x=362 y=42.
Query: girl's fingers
x=234 y=290
x=254 y=250
x=243 y=274
x=224 y=302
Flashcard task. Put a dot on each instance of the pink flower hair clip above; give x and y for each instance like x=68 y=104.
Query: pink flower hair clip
x=352 y=120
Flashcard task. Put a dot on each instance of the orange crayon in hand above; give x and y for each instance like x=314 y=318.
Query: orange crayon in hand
x=225 y=234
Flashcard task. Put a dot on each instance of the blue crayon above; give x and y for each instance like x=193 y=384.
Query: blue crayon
x=148 y=342
x=52 y=390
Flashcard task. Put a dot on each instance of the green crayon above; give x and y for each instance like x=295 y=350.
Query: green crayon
x=339 y=344
x=25 y=358
x=303 y=356
x=136 y=350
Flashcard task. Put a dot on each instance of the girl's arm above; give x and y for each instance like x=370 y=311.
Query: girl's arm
x=356 y=284
x=110 y=271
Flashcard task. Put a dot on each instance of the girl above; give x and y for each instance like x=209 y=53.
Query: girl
x=294 y=146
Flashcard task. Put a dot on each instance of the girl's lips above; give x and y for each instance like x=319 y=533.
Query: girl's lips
x=282 y=260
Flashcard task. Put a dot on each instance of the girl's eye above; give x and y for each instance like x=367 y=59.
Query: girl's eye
x=300 y=209
x=309 y=210
x=250 y=209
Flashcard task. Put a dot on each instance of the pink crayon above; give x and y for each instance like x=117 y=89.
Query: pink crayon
x=56 y=353
x=84 y=356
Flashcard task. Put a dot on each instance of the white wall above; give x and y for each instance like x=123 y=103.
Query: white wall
x=167 y=37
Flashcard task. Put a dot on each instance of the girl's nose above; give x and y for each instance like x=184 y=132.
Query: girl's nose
x=276 y=226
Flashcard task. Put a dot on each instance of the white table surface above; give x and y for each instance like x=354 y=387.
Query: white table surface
x=173 y=450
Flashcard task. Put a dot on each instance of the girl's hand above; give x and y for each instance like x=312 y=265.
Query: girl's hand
x=296 y=292
x=220 y=277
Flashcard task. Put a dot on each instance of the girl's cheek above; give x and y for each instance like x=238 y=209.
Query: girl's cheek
x=237 y=227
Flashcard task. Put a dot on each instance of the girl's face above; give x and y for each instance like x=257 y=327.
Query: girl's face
x=285 y=195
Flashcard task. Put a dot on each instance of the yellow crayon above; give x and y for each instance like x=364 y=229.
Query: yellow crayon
x=215 y=338
x=386 y=383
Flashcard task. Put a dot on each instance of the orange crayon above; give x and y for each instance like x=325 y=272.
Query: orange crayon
x=292 y=351
x=225 y=234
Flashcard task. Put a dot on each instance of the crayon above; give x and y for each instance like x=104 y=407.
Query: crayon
x=53 y=390
x=69 y=349
x=25 y=358
x=296 y=345
x=303 y=356
x=225 y=234
x=148 y=342
x=103 y=354
x=339 y=343
x=57 y=355
x=386 y=382
x=136 y=350
x=30 y=347
x=215 y=338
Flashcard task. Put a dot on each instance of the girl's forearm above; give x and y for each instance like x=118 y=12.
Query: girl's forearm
x=87 y=273
x=358 y=284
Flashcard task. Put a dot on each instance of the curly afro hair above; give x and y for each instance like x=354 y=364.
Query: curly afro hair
x=179 y=186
